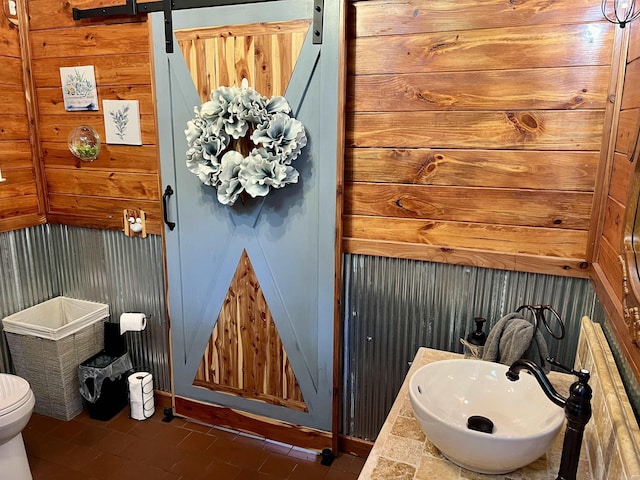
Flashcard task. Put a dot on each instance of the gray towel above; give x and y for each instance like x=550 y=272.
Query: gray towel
x=513 y=338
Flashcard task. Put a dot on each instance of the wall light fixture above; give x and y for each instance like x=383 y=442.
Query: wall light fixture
x=620 y=12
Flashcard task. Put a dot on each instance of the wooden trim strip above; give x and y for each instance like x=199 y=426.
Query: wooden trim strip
x=354 y=446
x=340 y=157
x=569 y=267
x=298 y=435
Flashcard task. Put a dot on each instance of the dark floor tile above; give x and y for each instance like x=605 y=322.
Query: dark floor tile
x=126 y=449
x=334 y=474
x=222 y=470
x=278 y=465
x=195 y=442
x=121 y=423
x=191 y=465
x=105 y=466
x=237 y=453
x=309 y=471
x=131 y=470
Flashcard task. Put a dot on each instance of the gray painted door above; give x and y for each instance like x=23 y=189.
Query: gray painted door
x=288 y=235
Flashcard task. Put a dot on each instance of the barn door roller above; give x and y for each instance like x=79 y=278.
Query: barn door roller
x=132 y=8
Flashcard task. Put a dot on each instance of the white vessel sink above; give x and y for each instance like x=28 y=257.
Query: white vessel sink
x=445 y=394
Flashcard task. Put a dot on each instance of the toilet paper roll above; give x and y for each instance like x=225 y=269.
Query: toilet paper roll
x=132 y=322
x=141 y=398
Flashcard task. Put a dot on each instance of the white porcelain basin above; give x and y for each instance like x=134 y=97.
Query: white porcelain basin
x=445 y=394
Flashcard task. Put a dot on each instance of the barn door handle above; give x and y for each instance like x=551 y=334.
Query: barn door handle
x=165 y=206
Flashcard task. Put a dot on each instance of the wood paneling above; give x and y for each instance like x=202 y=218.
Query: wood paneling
x=112 y=157
x=479 y=205
x=20 y=205
x=50 y=101
x=540 y=170
x=112 y=70
x=531 y=130
x=474 y=132
x=124 y=176
x=264 y=54
x=540 y=46
x=492 y=237
x=559 y=88
x=245 y=355
x=418 y=16
x=607 y=272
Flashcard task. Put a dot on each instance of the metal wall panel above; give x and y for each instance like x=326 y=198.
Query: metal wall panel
x=393 y=306
x=26 y=275
x=104 y=266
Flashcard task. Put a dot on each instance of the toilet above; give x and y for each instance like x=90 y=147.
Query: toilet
x=16 y=404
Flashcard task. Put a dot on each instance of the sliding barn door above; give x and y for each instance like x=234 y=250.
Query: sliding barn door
x=251 y=286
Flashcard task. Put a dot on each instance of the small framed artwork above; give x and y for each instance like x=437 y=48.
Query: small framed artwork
x=79 y=88
x=122 y=122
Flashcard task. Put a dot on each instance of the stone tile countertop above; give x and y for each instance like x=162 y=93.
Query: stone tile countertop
x=402 y=451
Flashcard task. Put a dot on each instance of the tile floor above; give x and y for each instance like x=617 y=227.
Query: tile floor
x=126 y=449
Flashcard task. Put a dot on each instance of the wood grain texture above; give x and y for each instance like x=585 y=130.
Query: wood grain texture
x=97 y=39
x=245 y=355
x=492 y=237
x=627 y=131
x=631 y=93
x=541 y=170
x=56 y=128
x=15 y=154
x=611 y=268
x=45 y=14
x=546 y=88
x=122 y=158
x=529 y=130
x=297 y=435
x=117 y=185
x=264 y=54
x=535 y=208
x=614 y=219
x=389 y=17
x=20 y=206
x=621 y=171
x=50 y=101
x=469 y=256
x=101 y=212
x=540 y=46
x=11 y=69
x=9 y=38
x=120 y=70
x=18 y=182
x=12 y=100
x=14 y=127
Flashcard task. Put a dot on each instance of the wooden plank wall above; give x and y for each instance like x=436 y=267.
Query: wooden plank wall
x=94 y=194
x=19 y=203
x=607 y=271
x=474 y=132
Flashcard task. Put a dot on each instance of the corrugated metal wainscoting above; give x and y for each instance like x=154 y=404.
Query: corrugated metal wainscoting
x=104 y=266
x=393 y=306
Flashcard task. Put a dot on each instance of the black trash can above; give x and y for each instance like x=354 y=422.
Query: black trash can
x=103 y=384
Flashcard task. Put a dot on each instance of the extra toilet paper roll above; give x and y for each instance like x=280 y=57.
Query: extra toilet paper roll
x=132 y=322
x=141 y=395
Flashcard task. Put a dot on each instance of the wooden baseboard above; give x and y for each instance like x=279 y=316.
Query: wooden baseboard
x=354 y=446
x=297 y=435
x=163 y=400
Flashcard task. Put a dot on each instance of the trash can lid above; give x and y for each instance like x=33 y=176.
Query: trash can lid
x=14 y=391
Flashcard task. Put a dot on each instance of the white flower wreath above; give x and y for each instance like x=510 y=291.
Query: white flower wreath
x=219 y=152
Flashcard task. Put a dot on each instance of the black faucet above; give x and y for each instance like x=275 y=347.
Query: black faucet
x=577 y=409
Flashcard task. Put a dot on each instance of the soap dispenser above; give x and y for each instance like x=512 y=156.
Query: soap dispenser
x=474 y=345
